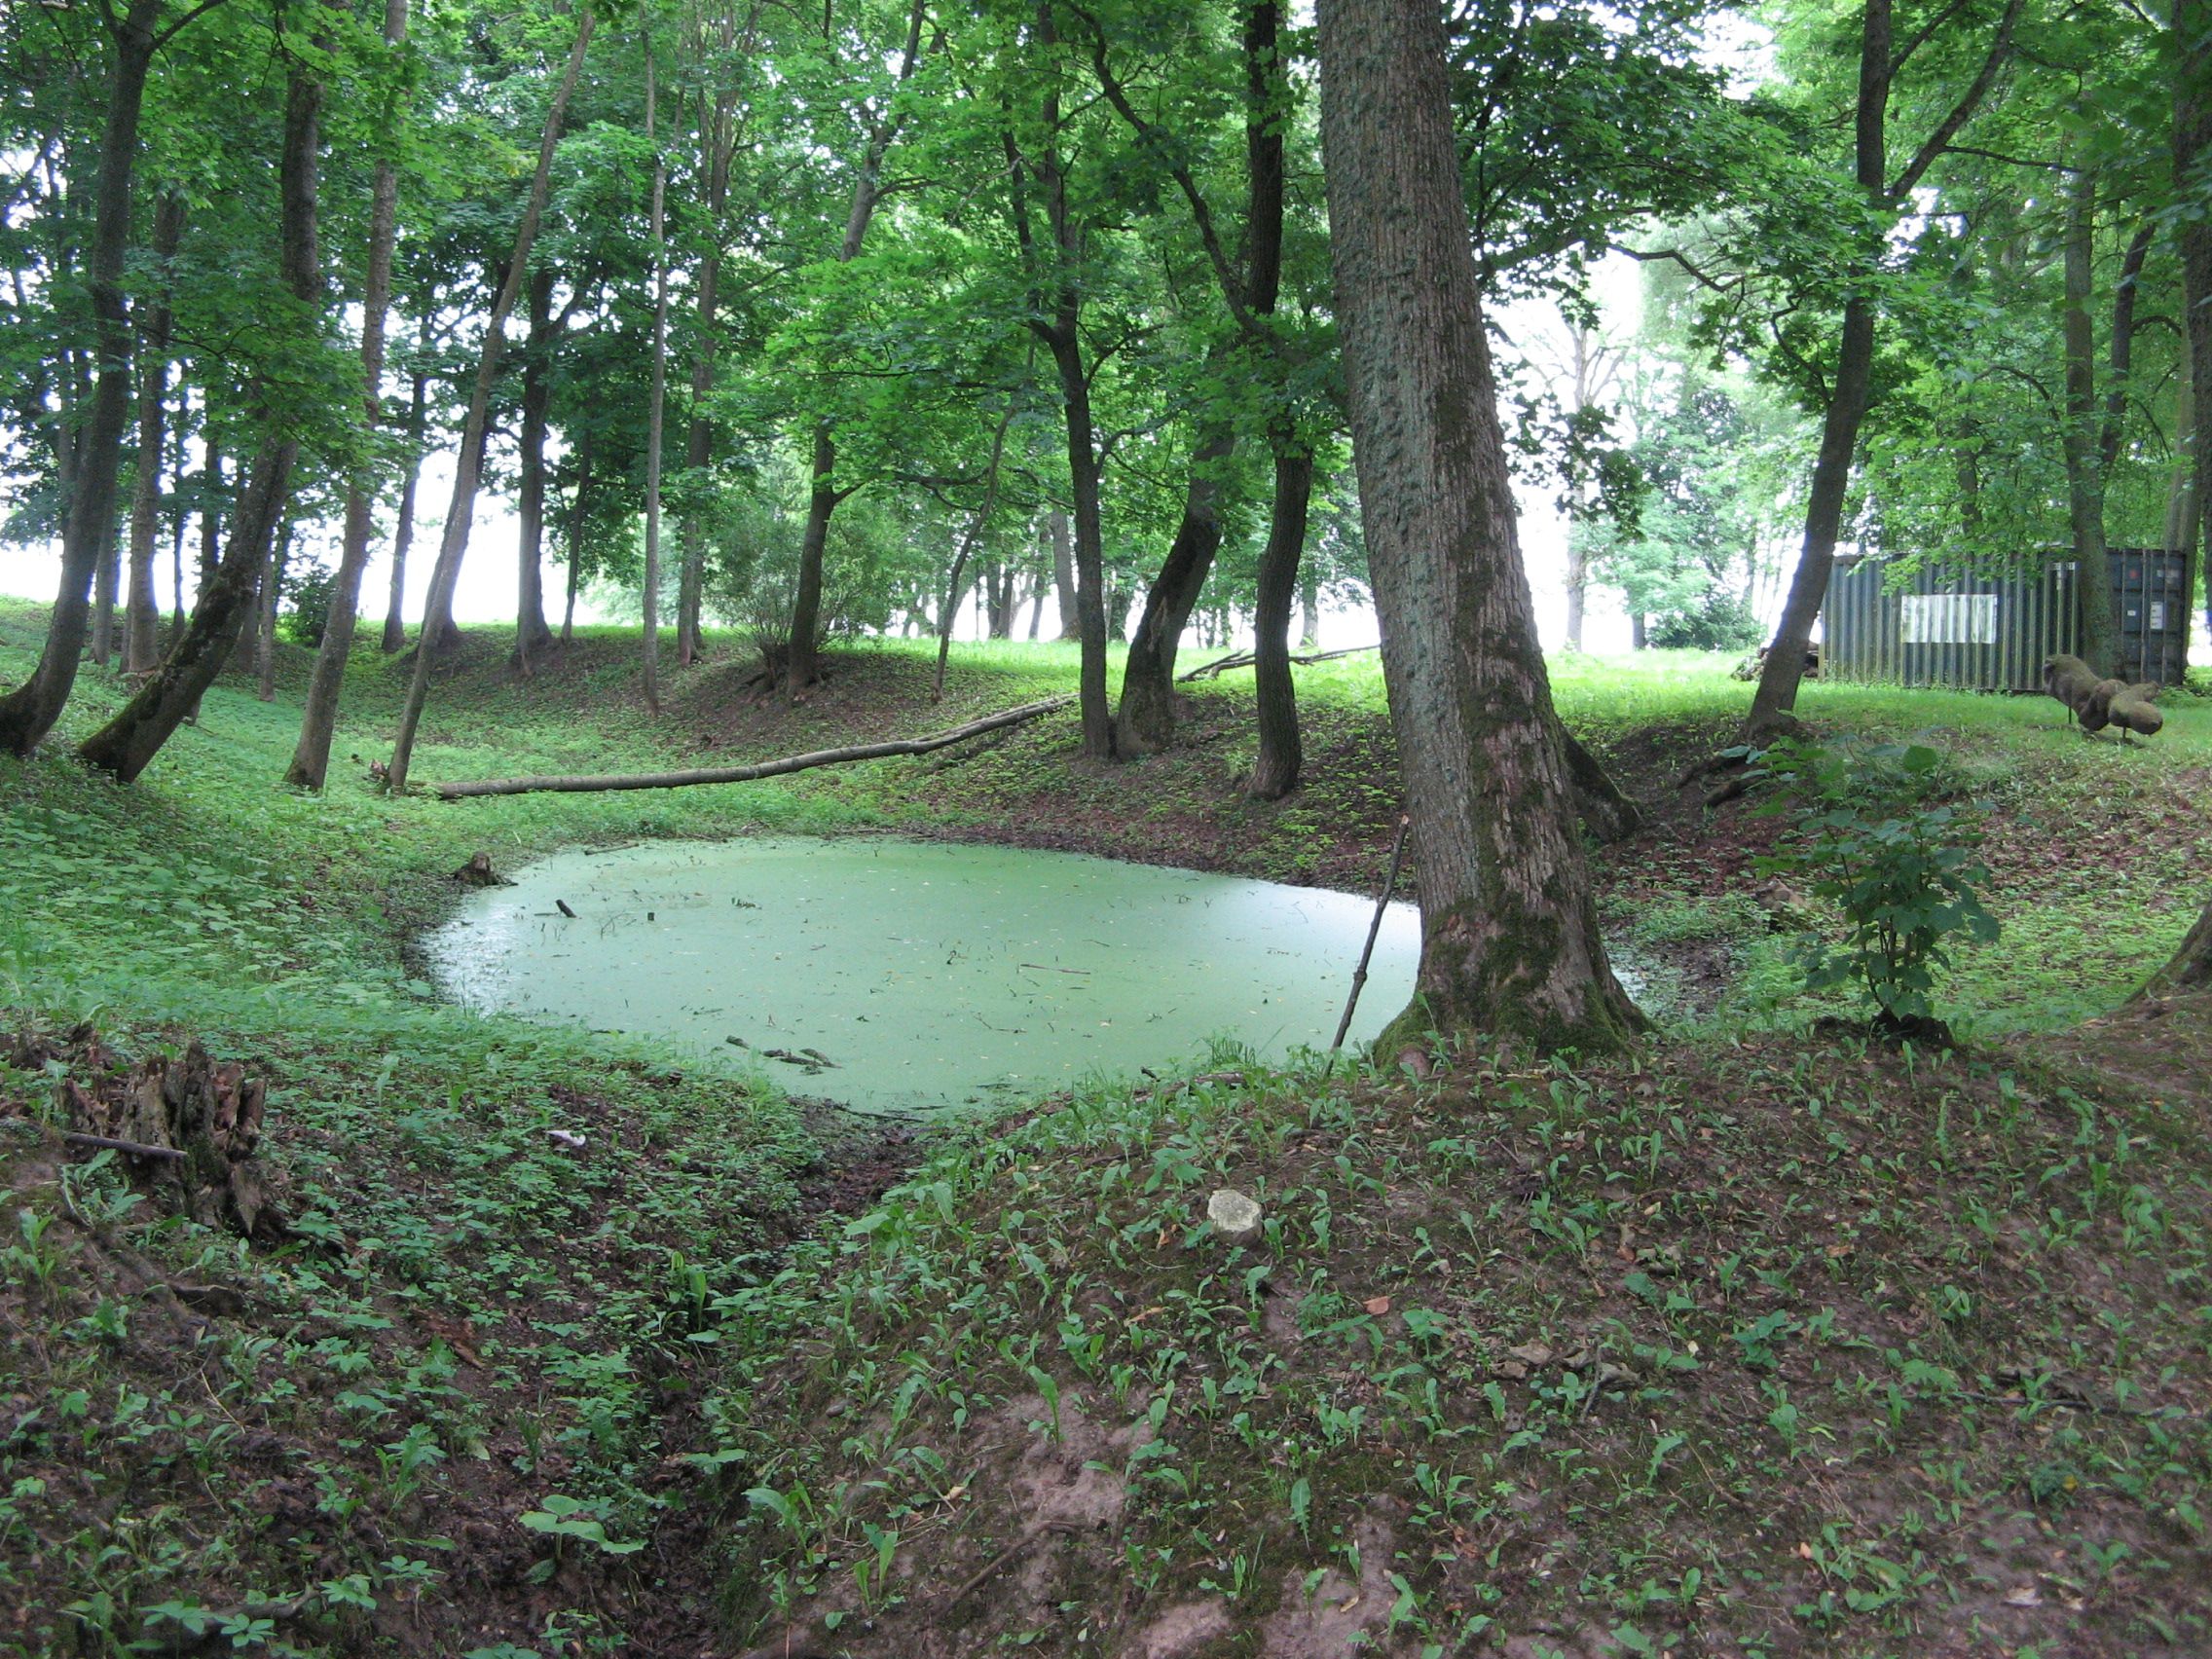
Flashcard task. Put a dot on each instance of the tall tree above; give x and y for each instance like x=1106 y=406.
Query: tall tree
x=141 y=644
x=1850 y=380
x=130 y=741
x=658 y=398
x=310 y=758
x=2193 y=188
x=133 y=35
x=1509 y=926
x=468 y=465
x=823 y=491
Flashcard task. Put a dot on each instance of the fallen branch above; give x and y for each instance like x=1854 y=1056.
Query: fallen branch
x=1245 y=659
x=136 y=1149
x=765 y=769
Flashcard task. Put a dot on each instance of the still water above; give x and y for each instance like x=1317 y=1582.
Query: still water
x=909 y=976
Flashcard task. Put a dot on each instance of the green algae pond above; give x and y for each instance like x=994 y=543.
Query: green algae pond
x=900 y=976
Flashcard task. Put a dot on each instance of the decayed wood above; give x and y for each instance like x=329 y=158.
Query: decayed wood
x=197 y=1121
x=765 y=769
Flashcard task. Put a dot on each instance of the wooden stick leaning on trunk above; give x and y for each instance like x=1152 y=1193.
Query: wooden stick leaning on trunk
x=764 y=769
x=1367 y=951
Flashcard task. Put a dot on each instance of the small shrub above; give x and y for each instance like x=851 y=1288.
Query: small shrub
x=1874 y=837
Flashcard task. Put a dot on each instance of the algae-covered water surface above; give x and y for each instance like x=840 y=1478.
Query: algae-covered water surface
x=910 y=975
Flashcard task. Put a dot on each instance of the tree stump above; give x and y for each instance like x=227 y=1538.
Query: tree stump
x=192 y=1127
x=478 y=872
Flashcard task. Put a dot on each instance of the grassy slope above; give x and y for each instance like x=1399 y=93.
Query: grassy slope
x=476 y=1321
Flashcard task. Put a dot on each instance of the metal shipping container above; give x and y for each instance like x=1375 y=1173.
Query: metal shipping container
x=1991 y=633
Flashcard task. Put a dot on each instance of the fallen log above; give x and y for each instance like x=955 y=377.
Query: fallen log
x=1220 y=666
x=765 y=769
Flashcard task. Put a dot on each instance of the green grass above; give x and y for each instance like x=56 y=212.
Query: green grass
x=1942 y=1314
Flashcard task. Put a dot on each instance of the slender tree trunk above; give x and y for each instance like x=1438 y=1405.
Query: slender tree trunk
x=141 y=643
x=394 y=638
x=656 y=405
x=271 y=595
x=1037 y=610
x=1308 y=609
x=1510 y=928
x=532 y=636
x=800 y=667
x=1274 y=774
x=28 y=712
x=579 y=520
x=1063 y=573
x=1850 y=386
x=128 y=744
x=2193 y=153
x=718 y=139
x=967 y=537
x=1145 y=722
x=468 y=469
x=2084 y=487
x=180 y=519
x=318 y=719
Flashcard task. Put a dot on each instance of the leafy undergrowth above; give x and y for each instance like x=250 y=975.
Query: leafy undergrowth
x=443 y=1416
x=1754 y=1347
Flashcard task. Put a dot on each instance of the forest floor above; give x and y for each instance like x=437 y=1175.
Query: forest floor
x=1767 y=1341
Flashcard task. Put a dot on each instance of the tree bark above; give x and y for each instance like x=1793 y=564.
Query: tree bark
x=468 y=466
x=1274 y=774
x=271 y=598
x=2190 y=967
x=1510 y=928
x=2085 y=483
x=1063 y=575
x=128 y=744
x=141 y=639
x=394 y=638
x=28 y=712
x=318 y=719
x=1145 y=720
x=532 y=635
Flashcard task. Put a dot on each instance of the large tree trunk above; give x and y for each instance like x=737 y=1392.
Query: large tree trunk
x=394 y=638
x=657 y=400
x=468 y=466
x=141 y=639
x=1509 y=927
x=2190 y=967
x=1849 y=385
x=2192 y=152
x=532 y=635
x=1274 y=774
x=2085 y=483
x=128 y=742
x=28 y=712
